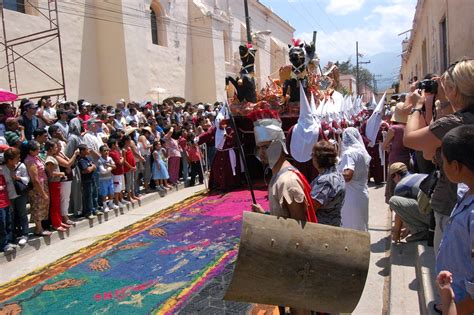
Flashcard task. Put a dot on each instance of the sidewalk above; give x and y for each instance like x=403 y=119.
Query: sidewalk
x=42 y=251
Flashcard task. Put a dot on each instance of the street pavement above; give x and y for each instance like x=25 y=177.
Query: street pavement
x=374 y=299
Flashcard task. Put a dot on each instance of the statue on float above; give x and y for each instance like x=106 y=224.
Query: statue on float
x=245 y=84
x=302 y=59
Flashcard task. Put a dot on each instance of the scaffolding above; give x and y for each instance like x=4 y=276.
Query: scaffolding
x=12 y=55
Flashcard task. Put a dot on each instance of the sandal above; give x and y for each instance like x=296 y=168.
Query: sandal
x=60 y=229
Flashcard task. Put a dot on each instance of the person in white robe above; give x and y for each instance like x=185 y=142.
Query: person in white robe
x=354 y=166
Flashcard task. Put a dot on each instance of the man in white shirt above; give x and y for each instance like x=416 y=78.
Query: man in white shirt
x=93 y=141
x=47 y=112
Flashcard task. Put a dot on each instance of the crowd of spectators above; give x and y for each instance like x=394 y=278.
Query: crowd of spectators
x=431 y=167
x=83 y=160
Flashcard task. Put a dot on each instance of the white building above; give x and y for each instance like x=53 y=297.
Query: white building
x=128 y=48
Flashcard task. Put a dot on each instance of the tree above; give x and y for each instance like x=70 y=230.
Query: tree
x=365 y=76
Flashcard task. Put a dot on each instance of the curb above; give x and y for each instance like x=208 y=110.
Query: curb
x=426 y=275
x=35 y=243
x=402 y=295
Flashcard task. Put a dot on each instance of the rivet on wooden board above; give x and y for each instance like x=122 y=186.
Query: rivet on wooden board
x=346 y=248
x=273 y=241
x=326 y=245
x=297 y=245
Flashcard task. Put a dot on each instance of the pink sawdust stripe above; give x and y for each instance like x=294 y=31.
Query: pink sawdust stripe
x=174 y=303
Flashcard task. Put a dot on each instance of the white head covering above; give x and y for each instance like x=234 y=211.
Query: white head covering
x=352 y=143
x=269 y=130
x=220 y=133
x=373 y=123
x=305 y=132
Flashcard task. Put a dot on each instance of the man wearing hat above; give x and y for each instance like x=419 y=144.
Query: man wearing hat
x=405 y=204
x=289 y=193
x=29 y=120
x=62 y=122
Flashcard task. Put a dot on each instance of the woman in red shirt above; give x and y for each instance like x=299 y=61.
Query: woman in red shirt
x=130 y=168
x=117 y=172
x=194 y=156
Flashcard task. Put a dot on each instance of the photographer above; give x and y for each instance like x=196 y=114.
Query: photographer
x=455 y=89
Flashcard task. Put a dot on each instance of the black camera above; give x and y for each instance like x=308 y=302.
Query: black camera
x=430 y=86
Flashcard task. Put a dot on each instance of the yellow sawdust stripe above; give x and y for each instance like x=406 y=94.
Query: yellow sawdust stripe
x=167 y=308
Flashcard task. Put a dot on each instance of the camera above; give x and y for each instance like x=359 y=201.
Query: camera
x=430 y=86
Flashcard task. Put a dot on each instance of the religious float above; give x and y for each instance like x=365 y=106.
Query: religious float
x=301 y=86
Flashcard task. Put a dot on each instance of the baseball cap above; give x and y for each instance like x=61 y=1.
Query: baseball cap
x=30 y=104
x=92 y=121
x=397 y=167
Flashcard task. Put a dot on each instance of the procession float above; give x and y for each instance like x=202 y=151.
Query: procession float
x=303 y=94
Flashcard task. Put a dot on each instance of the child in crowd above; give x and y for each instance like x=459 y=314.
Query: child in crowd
x=454 y=262
x=106 y=183
x=6 y=231
x=117 y=172
x=194 y=155
x=88 y=185
x=159 y=170
x=130 y=168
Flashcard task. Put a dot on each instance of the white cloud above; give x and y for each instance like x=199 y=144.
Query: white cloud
x=343 y=7
x=378 y=33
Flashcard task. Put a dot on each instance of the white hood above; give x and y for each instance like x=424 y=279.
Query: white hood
x=305 y=132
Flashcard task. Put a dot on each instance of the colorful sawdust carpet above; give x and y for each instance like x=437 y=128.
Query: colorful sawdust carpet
x=158 y=265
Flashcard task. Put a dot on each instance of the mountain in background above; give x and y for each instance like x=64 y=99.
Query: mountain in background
x=386 y=67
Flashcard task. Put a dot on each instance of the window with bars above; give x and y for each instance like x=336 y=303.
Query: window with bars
x=154 y=27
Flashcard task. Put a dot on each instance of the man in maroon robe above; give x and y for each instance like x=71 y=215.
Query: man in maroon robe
x=225 y=168
x=376 y=169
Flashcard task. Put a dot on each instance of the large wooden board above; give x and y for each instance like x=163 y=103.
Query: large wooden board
x=302 y=265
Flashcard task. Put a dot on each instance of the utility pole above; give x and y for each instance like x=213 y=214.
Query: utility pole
x=247 y=22
x=357 y=68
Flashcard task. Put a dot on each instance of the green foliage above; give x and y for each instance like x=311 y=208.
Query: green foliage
x=365 y=76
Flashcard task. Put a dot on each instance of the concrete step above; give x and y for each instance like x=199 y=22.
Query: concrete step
x=36 y=243
x=426 y=275
x=404 y=286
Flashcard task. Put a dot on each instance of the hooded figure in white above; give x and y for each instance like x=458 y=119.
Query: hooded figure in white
x=373 y=123
x=305 y=133
x=354 y=166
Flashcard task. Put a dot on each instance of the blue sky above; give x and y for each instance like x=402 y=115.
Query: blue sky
x=340 y=23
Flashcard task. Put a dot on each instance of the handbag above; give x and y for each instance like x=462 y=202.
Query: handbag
x=20 y=187
x=428 y=184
